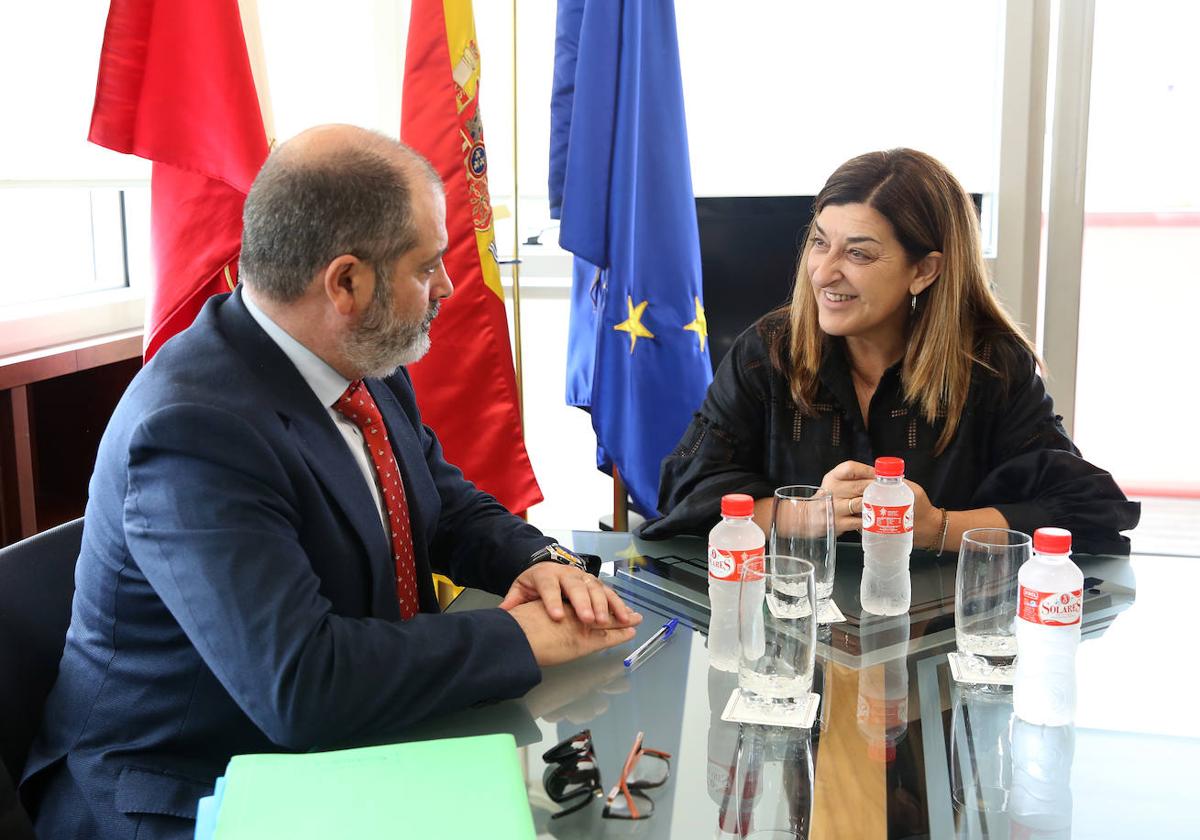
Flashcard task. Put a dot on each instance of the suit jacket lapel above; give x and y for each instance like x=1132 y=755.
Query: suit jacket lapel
x=322 y=445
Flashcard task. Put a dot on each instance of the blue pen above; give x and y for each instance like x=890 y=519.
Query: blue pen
x=651 y=646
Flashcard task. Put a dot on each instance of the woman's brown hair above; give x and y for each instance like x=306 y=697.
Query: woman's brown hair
x=929 y=211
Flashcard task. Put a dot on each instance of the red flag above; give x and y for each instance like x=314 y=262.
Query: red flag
x=175 y=87
x=466 y=386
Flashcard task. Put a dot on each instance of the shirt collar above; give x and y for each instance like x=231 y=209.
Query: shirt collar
x=835 y=363
x=835 y=375
x=325 y=382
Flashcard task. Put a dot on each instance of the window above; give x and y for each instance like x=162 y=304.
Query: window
x=1140 y=284
x=65 y=205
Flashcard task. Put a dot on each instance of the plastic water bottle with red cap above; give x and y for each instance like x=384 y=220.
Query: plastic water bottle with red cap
x=1039 y=805
x=735 y=540
x=887 y=540
x=882 y=708
x=1049 y=614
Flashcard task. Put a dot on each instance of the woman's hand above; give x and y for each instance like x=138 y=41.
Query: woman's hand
x=927 y=519
x=846 y=483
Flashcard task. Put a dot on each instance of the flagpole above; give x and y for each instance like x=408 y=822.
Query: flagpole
x=251 y=29
x=516 y=256
x=620 y=503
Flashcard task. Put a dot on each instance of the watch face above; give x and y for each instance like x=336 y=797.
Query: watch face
x=562 y=555
x=558 y=554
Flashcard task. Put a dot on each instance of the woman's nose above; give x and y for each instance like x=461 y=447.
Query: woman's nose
x=824 y=269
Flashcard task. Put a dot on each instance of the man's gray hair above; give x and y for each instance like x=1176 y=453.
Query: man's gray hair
x=304 y=210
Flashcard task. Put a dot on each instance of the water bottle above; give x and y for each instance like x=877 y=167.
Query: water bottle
x=731 y=543
x=887 y=540
x=733 y=797
x=882 y=707
x=1049 y=609
x=1039 y=807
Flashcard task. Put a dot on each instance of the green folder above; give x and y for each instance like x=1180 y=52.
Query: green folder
x=449 y=788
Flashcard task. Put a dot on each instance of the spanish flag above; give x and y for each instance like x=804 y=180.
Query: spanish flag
x=175 y=86
x=465 y=385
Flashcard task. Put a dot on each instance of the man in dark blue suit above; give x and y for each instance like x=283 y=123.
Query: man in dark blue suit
x=237 y=589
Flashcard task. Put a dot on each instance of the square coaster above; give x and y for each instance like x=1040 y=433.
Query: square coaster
x=829 y=613
x=799 y=715
x=975 y=670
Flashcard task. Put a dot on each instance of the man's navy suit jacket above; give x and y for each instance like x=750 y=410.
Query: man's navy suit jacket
x=236 y=588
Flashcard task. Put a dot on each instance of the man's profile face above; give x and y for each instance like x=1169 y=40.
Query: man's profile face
x=394 y=330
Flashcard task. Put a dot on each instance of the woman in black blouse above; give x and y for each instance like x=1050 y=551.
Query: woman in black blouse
x=893 y=344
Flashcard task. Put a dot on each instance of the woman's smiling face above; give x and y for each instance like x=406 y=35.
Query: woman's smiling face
x=860 y=273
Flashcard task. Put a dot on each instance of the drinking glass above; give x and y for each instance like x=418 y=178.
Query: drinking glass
x=985 y=593
x=777 y=629
x=774 y=785
x=802 y=526
x=980 y=752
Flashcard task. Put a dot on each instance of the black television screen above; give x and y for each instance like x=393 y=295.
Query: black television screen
x=749 y=247
x=748 y=252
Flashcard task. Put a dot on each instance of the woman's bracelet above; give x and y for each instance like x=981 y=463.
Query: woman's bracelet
x=940 y=539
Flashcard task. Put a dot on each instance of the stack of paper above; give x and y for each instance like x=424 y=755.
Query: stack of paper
x=450 y=788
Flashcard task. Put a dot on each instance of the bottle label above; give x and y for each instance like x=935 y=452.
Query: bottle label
x=887 y=519
x=1052 y=609
x=881 y=713
x=728 y=565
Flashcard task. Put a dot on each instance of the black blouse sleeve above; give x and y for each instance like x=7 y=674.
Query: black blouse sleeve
x=722 y=450
x=1037 y=477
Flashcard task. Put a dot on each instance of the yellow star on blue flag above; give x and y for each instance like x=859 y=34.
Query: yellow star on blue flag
x=700 y=325
x=633 y=324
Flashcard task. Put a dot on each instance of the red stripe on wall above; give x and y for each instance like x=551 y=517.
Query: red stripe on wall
x=1141 y=219
x=1163 y=491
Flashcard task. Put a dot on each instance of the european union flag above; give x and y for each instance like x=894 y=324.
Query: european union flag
x=638 y=345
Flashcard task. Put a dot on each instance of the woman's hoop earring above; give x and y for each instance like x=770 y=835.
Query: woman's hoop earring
x=913 y=305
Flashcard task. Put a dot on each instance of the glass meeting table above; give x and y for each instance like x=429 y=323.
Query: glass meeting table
x=899 y=749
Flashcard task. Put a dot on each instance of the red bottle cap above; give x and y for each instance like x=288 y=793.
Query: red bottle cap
x=889 y=467
x=737 y=504
x=881 y=751
x=1052 y=541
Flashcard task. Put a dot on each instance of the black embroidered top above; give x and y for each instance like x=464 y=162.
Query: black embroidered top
x=1009 y=452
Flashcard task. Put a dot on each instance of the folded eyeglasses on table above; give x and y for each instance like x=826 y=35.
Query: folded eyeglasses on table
x=573 y=778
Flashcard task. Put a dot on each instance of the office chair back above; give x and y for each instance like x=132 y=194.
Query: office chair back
x=37 y=582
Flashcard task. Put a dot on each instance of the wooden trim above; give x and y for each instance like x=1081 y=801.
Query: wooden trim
x=20 y=369
x=10 y=508
x=23 y=461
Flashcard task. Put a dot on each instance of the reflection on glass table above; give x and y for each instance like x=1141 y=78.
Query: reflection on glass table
x=1007 y=777
x=759 y=777
x=980 y=755
x=898 y=750
x=882 y=710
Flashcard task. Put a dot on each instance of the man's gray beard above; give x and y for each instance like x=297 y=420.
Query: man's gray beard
x=383 y=341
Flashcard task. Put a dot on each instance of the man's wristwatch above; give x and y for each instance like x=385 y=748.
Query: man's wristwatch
x=555 y=553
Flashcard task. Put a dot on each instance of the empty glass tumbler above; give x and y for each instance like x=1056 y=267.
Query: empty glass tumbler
x=777 y=611
x=980 y=753
x=985 y=593
x=802 y=526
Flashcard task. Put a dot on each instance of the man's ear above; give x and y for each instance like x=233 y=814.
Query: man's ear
x=349 y=283
x=928 y=269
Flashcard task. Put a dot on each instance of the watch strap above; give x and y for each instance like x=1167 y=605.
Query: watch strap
x=555 y=553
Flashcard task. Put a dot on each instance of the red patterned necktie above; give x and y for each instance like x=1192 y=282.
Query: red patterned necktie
x=357 y=405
